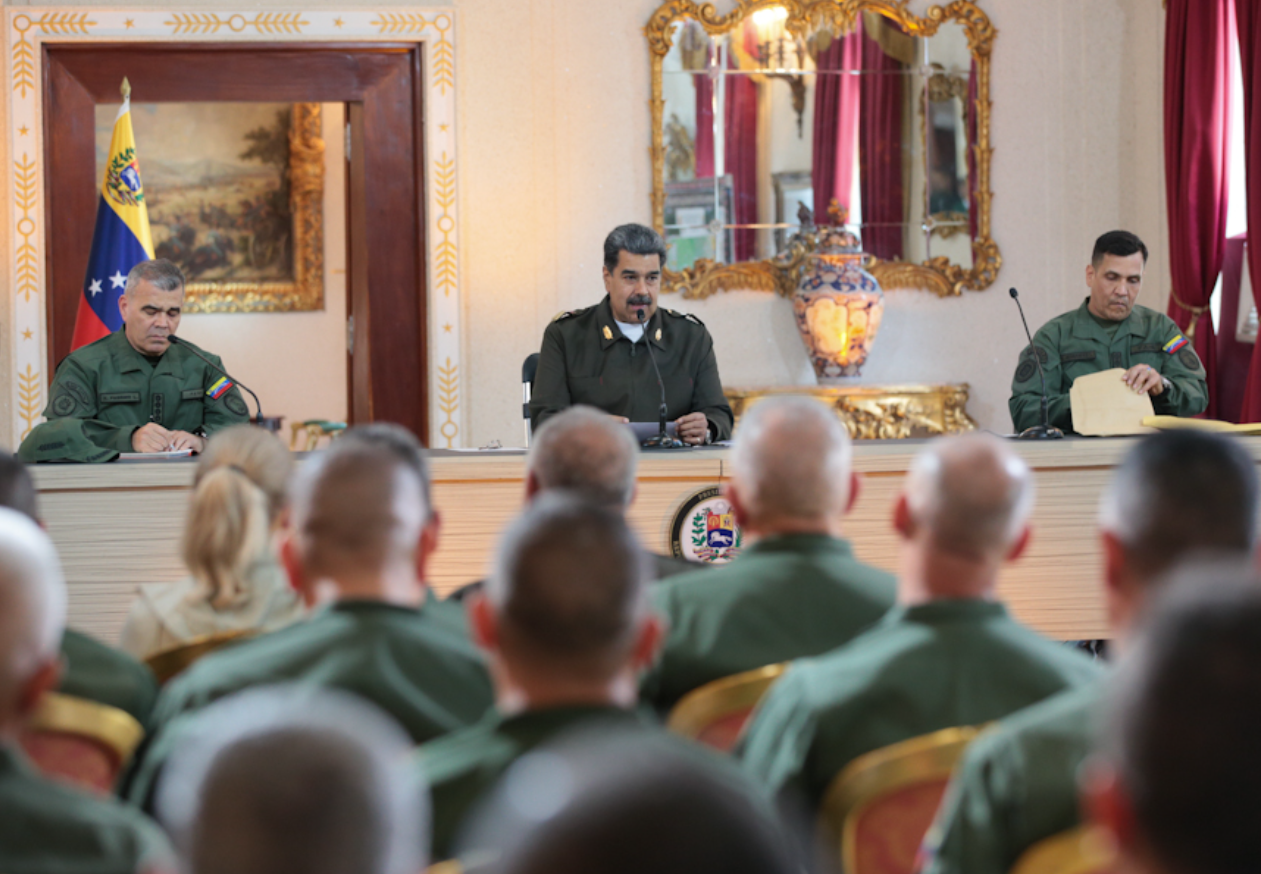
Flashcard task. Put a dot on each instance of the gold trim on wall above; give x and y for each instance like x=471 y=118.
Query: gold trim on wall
x=938 y=275
x=306 y=199
x=878 y=412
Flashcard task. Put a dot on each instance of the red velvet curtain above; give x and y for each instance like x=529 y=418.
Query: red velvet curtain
x=1197 y=101
x=836 y=111
x=741 y=150
x=880 y=151
x=1248 y=19
x=704 y=125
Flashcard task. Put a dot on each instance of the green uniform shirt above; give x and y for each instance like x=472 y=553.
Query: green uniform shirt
x=106 y=675
x=785 y=597
x=48 y=828
x=923 y=668
x=585 y=359
x=1016 y=785
x=462 y=767
x=106 y=390
x=419 y=666
x=660 y=566
x=1074 y=345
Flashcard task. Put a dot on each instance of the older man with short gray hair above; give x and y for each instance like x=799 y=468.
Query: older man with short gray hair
x=798 y=590
x=133 y=391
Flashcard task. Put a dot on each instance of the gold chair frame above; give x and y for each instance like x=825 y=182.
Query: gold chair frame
x=166 y=663
x=875 y=774
x=65 y=714
x=701 y=707
x=1081 y=850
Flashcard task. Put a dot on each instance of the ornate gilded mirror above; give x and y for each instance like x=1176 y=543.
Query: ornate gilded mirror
x=859 y=105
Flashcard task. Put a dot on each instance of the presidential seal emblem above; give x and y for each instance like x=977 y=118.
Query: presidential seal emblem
x=704 y=529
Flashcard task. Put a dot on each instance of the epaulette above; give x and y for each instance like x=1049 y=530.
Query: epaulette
x=565 y=314
x=689 y=316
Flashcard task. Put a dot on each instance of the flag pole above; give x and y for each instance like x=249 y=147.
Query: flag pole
x=125 y=89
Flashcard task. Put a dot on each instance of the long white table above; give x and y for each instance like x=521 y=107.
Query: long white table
x=119 y=524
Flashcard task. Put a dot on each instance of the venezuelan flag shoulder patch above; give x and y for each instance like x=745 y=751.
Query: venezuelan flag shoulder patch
x=1175 y=344
x=220 y=388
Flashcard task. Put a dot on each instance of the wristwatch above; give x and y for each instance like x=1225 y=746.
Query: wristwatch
x=1164 y=380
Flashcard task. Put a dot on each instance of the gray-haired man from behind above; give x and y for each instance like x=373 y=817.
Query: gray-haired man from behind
x=797 y=591
x=584 y=452
x=45 y=826
x=301 y=780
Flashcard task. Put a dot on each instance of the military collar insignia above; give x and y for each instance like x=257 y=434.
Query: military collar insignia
x=608 y=333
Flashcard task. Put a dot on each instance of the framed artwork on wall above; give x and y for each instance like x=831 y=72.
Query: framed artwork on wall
x=235 y=196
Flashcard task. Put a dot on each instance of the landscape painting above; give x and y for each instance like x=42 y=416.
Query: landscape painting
x=235 y=194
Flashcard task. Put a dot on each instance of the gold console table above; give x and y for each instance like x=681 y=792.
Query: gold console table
x=876 y=412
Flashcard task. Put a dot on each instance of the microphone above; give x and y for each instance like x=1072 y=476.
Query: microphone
x=173 y=340
x=663 y=440
x=1043 y=431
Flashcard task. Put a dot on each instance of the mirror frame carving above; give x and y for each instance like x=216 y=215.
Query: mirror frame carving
x=937 y=275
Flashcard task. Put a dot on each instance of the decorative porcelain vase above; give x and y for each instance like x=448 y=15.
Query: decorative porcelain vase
x=838 y=305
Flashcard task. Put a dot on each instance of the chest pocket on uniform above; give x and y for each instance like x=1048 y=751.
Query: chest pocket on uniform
x=190 y=394
x=1069 y=357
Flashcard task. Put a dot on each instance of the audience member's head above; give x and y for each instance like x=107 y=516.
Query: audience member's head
x=623 y=804
x=1176 y=782
x=964 y=510
x=240 y=493
x=791 y=469
x=587 y=452
x=302 y=780
x=32 y=618
x=361 y=526
x=406 y=448
x=1176 y=493
x=17 y=488
x=565 y=613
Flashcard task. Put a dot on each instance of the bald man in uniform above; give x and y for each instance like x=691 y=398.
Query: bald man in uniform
x=798 y=590
x=1176 y=494
x=363 y=532
x=45 y=826
x=92 y=670
x=949 y=655
x=295 y=779
x=566 y=626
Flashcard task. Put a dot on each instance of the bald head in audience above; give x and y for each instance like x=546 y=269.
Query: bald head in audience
x=564 y=617
x=301 y=780
x=362 y=526
x=1175 y=494
x=791 y=469
x=963 y=512
x=584 y=451
x=1176 y=782
x=32 y=616
x=625 y=804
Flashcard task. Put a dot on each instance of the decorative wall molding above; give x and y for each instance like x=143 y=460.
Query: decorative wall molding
x=28 y=29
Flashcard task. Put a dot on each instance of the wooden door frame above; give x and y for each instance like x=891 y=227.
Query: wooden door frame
x=416 y=371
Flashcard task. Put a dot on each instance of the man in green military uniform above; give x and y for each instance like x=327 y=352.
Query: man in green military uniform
x=948 y=655
x=598 y=356
x=565 y=623
x=1176 y=494
x=798 y=590
x=133 y=391
x=46 y=826
x=363 y=534
x=1109 y=331
x=91 y=669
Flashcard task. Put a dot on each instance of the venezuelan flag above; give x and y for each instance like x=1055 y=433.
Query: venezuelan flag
x=121 y=239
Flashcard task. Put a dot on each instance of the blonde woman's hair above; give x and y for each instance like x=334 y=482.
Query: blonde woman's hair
x=240 y=491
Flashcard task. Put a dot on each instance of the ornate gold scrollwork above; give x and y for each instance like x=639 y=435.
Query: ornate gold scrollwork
x=937 y=275
x=875 y=413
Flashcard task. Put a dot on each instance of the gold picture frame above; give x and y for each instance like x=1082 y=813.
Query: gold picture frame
x=305 y=292
x=938 y=275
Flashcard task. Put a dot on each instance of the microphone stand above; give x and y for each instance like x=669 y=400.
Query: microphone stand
x=172 y=339
x=663 y=440
x=1043 y=431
